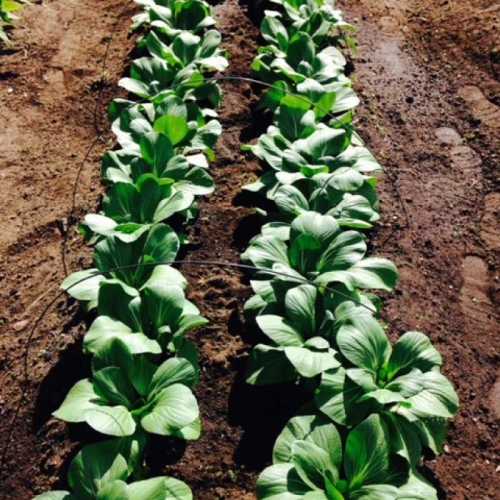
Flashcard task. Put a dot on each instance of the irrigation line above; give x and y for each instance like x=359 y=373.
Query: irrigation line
x=73 y=205
x=270 y=86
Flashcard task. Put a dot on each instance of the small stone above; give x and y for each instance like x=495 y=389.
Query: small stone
x=495 y=398
x=449 y=136
x=20 y=325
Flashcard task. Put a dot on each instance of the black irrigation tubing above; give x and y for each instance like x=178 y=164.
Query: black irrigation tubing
x=25 y=378
x=69 y=220
x=268 y=85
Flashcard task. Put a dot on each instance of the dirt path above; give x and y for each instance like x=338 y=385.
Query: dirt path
x=430 y=114
x=428 y=119
x=49 y=86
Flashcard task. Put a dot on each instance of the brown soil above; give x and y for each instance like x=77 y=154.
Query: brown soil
x=426 y=73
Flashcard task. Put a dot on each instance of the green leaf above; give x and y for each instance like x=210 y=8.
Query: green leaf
x=136 y=87
x=78 y=401
x=100 y=224
x=173 y=371
x=95 y=465
x=338 y=398
x=162 y=244
x=437 y=399
x=190 y=432
x=312 y=464
x=165 y=274
x=265 y=251
x=375 y=272
x=311 y=428
x=300 y=304
x=141 y=372
x=111 y=420
x=173 y=125
x=363 y=341
x=417 y=488
x=292 y=117
x=301 y=48
x=323 y=142
x=413 y=350
x=269 y=365
x=55 y=495
x=163 y=304
x=405 y=439
x=291 y=201
x=104 y=330
x=156 y=150
x=175 y=407
x=112 y=385
x=178 y=202
x=274 y=32
x=432 y=432
x=367 y=453
x=280 y=482
x=311 y=362
x=345 y=250
x=376 y=492
x=83 y=285
x=185 y=46
x=159 y=488
x=279 y=331
x=321 y=227
x=115 y=490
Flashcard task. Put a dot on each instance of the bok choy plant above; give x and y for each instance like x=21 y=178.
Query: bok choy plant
x=154 y=319
x=127 y=253
x=8 y=10
x=129 y=392
x=401 y=382
x=103 y=471
x=311 y=461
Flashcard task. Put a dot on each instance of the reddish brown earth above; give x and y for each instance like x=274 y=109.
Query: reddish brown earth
x=427 y=72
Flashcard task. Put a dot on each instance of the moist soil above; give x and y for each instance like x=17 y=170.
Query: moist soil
x=427 y=73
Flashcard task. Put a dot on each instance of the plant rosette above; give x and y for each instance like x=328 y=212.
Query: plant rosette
x=128 y=392
x=314 y=249
x=134 y=254
x=402 y=382
x=311 y=461
x=152 y=320
x=101 y=471
x=169 y=18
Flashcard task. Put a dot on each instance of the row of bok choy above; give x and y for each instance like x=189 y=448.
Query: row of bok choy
x=144 y=369
x=374 y=406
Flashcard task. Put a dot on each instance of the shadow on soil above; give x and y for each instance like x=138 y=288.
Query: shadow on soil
x=261 y=412
x=69 y=369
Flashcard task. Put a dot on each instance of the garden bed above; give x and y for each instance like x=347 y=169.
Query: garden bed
x=439 y=210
